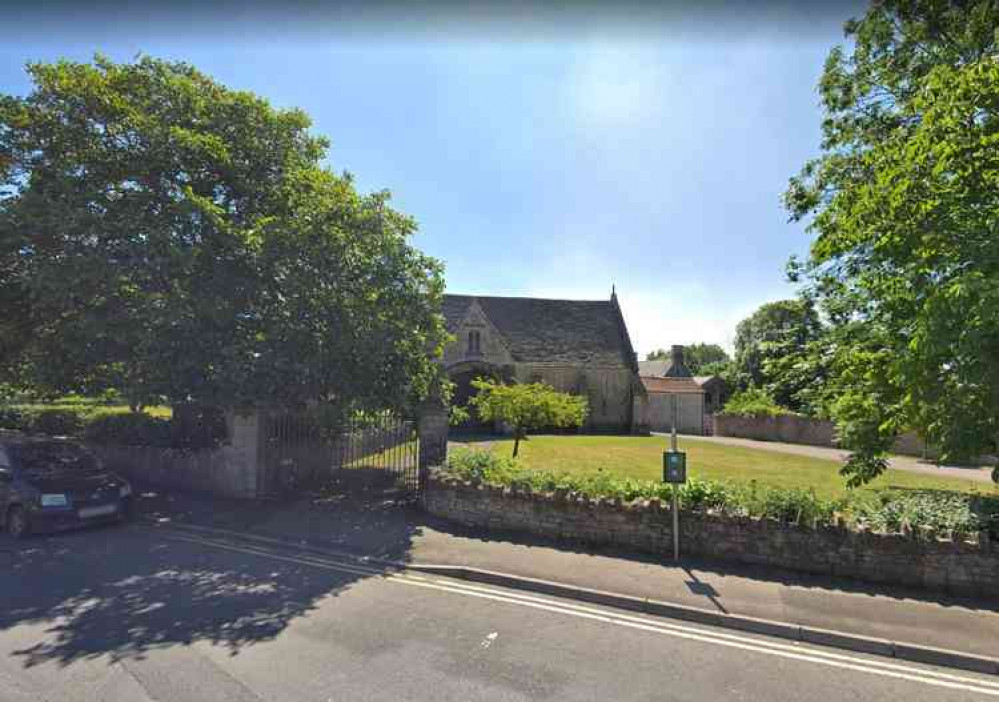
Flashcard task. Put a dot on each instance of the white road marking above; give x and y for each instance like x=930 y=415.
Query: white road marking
x=801 y=652
x=794 y=646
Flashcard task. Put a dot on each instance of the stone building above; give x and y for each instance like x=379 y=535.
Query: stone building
x=575 y=346
x=716 y=392
x=662 y=381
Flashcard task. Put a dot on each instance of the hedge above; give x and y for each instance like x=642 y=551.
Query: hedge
x=891 y=510
x=190 y=427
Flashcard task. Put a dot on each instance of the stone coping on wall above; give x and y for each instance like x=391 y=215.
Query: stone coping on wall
x=968 y=565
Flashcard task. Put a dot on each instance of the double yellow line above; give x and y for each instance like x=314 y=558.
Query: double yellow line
x=793 y=651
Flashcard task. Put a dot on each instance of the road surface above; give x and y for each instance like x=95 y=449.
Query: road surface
x=137 y=614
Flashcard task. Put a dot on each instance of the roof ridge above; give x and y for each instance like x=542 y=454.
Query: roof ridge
x=522 y=297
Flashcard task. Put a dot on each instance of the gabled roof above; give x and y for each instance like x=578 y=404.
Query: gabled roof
x=552 y=331
x=653 y=368
x=663 y=369
x=680 y=386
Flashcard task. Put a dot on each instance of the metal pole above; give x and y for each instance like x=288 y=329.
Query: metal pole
x=676 y=512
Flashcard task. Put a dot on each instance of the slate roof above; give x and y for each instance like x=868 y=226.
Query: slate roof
x=552 y=331
x=653 y=368
x=663 y=369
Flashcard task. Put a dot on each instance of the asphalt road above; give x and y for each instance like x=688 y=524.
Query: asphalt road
x=139 y=614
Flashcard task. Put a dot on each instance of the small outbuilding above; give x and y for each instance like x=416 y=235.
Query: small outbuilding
x=662 y=381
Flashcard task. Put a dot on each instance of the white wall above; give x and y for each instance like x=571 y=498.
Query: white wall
x=690 y=410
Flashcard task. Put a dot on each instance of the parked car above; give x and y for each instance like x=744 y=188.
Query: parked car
x=51 y=484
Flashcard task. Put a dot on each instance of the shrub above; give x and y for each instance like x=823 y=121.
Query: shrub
x=527 y=407
x=197 y=426
x=891 y=511
x=484 y=466
x=58 y=419
x=898 y=510
x=57 y=422
x=130 y=429
x=754 y=402
x=12 y=418
x=795 y=506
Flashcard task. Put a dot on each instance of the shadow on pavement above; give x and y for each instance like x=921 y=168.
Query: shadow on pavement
x=124 y=591
x=356 y=515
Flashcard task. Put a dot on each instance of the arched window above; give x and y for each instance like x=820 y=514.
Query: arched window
x=474 y=343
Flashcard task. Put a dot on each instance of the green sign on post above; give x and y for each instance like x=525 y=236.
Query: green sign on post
x=674 y=467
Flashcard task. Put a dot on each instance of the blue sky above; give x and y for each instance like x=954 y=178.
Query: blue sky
x=557 y=166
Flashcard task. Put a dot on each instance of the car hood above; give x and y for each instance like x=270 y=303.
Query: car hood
x=74 y=481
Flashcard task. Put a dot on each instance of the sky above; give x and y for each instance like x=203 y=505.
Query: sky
x=542 y=155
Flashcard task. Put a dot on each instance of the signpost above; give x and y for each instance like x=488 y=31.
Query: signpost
x=675 y=473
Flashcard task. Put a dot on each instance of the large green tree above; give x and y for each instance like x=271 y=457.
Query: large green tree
x=775 y=350
x=166 y=235
x=904 y=207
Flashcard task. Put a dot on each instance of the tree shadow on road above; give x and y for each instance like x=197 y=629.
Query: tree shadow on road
x=123 y=592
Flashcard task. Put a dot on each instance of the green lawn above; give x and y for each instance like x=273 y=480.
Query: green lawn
x=641 y=457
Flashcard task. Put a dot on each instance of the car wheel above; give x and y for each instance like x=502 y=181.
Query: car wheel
x=17 y=523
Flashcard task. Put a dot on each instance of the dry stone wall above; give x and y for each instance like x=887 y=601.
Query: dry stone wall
x=793 y=429
x=953 y=566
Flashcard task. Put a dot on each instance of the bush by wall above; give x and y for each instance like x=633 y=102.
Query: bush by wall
x=132 y=429
x=892 y=511
x=197 y=426
x=191 y=427
x=40 y=419
x=754 y=402
x=57 y=422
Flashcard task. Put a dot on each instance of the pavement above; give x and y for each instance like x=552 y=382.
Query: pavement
x=376 y=526
x=910 y=464
x=140 y=613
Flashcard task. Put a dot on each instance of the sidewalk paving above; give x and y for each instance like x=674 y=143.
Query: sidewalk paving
x=376 y=526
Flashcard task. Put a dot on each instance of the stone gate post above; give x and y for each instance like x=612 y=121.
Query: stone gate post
x=246 y=451
x=432 y=425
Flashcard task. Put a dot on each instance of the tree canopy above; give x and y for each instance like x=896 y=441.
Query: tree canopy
x=527 y=407
x=166 y=235
x=775 y=349
x=700 y=358
x=903 y=204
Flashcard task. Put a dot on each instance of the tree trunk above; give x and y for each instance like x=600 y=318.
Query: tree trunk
x=516 y=442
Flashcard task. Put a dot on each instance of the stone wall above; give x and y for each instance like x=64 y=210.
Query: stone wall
x=223 y=472
x=788 y=428
x=793 y=429
x=957 y=567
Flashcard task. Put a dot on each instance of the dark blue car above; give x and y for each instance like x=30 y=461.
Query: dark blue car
x=50 y=484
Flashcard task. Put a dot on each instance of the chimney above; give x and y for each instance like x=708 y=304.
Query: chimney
x=677 y=368
x=676 y=355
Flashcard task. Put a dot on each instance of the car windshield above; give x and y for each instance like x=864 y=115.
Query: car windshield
x=43 y=458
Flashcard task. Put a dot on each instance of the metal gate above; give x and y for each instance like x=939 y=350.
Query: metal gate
x=374 y=450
